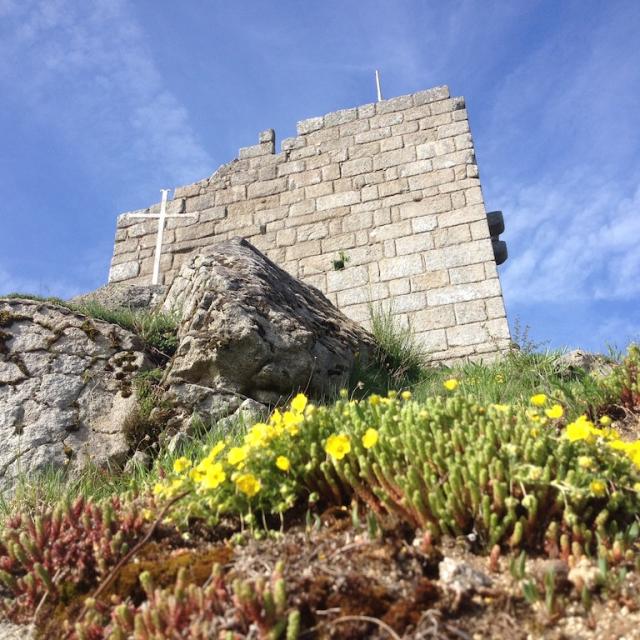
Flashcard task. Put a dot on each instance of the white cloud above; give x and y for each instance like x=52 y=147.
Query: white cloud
x=86 y=69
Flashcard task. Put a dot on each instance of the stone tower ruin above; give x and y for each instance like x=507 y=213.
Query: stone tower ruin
x=376 y=205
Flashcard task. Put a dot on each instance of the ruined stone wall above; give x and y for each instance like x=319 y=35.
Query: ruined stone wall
x=390 y=191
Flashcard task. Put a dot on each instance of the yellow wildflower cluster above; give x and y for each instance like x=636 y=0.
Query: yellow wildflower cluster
x=583 y=429
x=213 y=471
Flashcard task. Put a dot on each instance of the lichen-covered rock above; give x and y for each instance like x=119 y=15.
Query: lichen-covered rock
x=250 y=330
x=116 y=295
x=65 y=388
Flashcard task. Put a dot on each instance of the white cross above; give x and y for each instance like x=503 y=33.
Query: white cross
x=161 y=219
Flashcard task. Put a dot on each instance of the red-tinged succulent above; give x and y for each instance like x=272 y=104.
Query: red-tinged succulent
x=247 y=610
x=61 y=551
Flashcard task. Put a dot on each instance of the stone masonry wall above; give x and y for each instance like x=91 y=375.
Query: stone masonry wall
x=391 y=188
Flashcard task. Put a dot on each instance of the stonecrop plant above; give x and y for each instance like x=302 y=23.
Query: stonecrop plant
x=501 y=474
x=62 y=551
x=246 y=609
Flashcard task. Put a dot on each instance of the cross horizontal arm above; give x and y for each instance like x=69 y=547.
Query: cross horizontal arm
x=157 y=215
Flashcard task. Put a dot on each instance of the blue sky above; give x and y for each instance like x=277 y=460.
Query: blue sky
x=104 y=102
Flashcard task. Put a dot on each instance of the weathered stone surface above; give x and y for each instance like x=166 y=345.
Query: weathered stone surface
x=119 y=295
x=65 y=388
x=572 y=361
x=250 y=330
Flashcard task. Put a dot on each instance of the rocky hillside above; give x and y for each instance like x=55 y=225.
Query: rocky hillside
x=248 y=463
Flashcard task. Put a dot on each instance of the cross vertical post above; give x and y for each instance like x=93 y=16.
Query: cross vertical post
x=156 y=258
x=379 y=90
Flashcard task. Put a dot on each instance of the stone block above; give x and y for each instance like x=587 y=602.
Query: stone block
x=287 y=168
x=339 y=242
x=318 y=190
x=474 y=195
x=256 y=150
x=330 y=172
x=369 y=193
x=432 y=179
x=473 y=311
x=466 y=273
x=358 y=221
x=424 y=223
x=495 y=308
x=393 y=158
x=452 y=130
x=451 y=236
x=347 y=278
x=430 y=341
x=124 y=271
x=188 y=191
x=363 y=294
x=226 y=196
x=404 y=128
x=394 y=104
x=498 y=329
x=400 y=266
x=415 y=168
x=431 y=95
x=340 y=117
x=409 y=302
x=385 y=120
x=314 y=231
x=434 y=318
x=490 y=269
x=430 y=280
x=448 y=160
x=309 y=125
x=285 y=237
x=303 y=249
x=353 y=128
x=266 y=188
x=414 y=244
x=389 y=231
x=392 y=187
x=389 y=144
x=356 y=167
x=468 y=334
x=470 y=213
x=399 y=287
x=373 y=135
x=464 y=141
x=344 y=184
x=337 y=200
x=214 y=213
x=458 y=201
x=463 y=292
x=201 y=230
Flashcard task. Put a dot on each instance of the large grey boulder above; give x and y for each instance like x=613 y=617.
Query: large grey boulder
x=250 y=330
x=65 y=388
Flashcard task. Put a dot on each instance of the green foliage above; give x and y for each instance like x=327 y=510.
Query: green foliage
x=623 y=384
x=31 y=296
x=397 y=362
x=158 y=330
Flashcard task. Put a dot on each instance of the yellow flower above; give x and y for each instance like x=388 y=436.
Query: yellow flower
x=451 y=384
x=292 y=422
x=216 y=449
x=406 y=395
x=636 y=487
x=259 y=435
x=158 y=489
x=598 y=488
x=299 y=403
x=499 y=378
x=283 y=463
x=213 y=476
x=338 y=446
x=585 y=462
x=580 y=429
x=248 y=484
x=539 y=400
x=181 y=464
x=374 y=400
x=370 y=438
x=237 y=455
x=605 y=421
x=556 y=412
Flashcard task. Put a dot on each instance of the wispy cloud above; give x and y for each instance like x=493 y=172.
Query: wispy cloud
x=86 y=69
